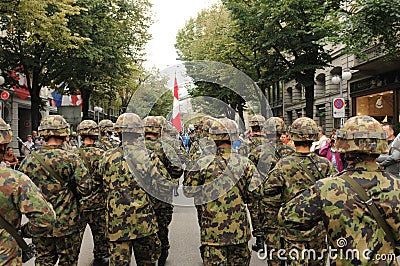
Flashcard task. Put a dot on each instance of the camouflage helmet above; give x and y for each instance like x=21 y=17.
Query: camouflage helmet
x=153 y=124
x=106 y=125
x=362 y=134
x=169 y=130
x=88 y=128
x=224 y=129
x=274 y=125
x=304 y=129
x=54 y=125
x=257 y=120
x=207 y=123
x=5 y=132
x=129 y=123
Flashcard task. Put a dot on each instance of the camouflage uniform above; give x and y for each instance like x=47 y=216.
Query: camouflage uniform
x=130 y=217
x=290 y=176
x=94 y=205
x=347 y=219
x=265 y=156
x=164 y=210
x=63 y=243
x=224 y=227
x=256 y=122
x=105 y=142
x=19 y=195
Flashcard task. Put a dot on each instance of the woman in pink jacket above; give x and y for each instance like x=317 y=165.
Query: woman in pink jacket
x=328 y=151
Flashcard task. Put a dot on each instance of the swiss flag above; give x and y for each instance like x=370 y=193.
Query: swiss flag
x=176 y=114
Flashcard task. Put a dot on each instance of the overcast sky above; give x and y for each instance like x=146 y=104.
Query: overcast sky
x=170 y=16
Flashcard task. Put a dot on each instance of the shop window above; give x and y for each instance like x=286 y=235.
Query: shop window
x=378 y=105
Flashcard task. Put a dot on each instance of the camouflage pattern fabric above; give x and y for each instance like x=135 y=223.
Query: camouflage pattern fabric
x=251 y=143
x=202 y=147
x=304 y=129
x=224 y=219
x=5 y=132
x=347 y=220
x=19 y=195
x=146 y=249
x=126 y=221
x=227 y=255
x=286 y=180
x=106 y=143
x=65 y=204
x=54 y=125
x=265 y=157
x=94 y=204
x=65 y=250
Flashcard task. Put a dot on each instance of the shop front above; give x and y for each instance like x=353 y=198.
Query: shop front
x=378 y=97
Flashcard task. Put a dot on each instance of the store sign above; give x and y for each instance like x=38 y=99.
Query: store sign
x=339 y=108
x=5 y=95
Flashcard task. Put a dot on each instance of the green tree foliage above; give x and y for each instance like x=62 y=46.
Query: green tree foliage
x=111 y=60
x=368 y=23
x=33 y=33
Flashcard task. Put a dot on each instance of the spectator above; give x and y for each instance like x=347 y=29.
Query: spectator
x=321 y=142
x=29 y=143
x=391 y=161
x=67 y=144
x=329 y=151
x=39 y=143
x=10 y=159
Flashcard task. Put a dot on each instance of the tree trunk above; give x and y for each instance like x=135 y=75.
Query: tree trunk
x=240 y=112
x=85 y=93
x=309 y=94
x=35 y=101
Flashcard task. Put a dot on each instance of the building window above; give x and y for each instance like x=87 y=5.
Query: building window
x=290 y=118
x=321 y=115
x=299 y=113
x=378 y=105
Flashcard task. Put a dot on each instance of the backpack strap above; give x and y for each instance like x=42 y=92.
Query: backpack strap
x=369 y=203
x=13 y=231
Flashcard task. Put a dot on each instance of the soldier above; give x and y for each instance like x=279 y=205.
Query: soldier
x=19 y=195
x=291 y=175
x=265 y=156
x=106 y=141
x=222 y=189
x=164 y=210
x=63 y=180
x=353 y=223
x=256 y=123
x=94 y=205
x=130 y=217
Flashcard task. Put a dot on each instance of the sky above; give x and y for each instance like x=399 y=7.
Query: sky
x=169 y=17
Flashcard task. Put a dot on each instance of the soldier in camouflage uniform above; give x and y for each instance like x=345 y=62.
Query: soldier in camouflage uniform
x=221 y=184
x=291 y=175
x=195 y=139
x=265 y=157
x=106 y=142
x=164 y=210
x=19 y=195
x=257 y=138
x=63 y=244
x=94 y=205
x=347 y=219
x=130 y=216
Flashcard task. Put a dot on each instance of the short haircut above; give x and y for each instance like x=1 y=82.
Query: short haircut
x=388 y=125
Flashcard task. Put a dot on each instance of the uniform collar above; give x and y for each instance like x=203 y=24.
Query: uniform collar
x=364 y=166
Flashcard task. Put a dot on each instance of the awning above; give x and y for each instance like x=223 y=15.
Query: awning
x=21 y=92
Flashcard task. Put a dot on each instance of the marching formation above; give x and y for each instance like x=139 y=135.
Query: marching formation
x=121 y=179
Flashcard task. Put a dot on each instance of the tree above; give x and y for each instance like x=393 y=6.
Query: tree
x=292 y=32
x=35 y=32
x=111 y=60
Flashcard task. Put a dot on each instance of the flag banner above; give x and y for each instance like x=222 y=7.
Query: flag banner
x=176 y=115
x=65 y=100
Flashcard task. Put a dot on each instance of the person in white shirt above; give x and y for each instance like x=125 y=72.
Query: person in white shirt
x=28 y=145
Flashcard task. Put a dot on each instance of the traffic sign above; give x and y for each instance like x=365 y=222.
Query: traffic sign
x=5 y=95
x=338 y=109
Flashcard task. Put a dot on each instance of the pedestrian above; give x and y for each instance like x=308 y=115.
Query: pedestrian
x=221 y=185
x=291 y=175
x=329 y=151
x=391 y=161
x=10 y=159
x=20 y=196
x=94 y=204
x=28 y=145
x=130 y=172
x=320 y=142
x=361 y=230
x=63 y=180
x=164 y=209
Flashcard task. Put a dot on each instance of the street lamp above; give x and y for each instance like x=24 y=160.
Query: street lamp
x=336 y=79
x=2 y=80
x=98 y=110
